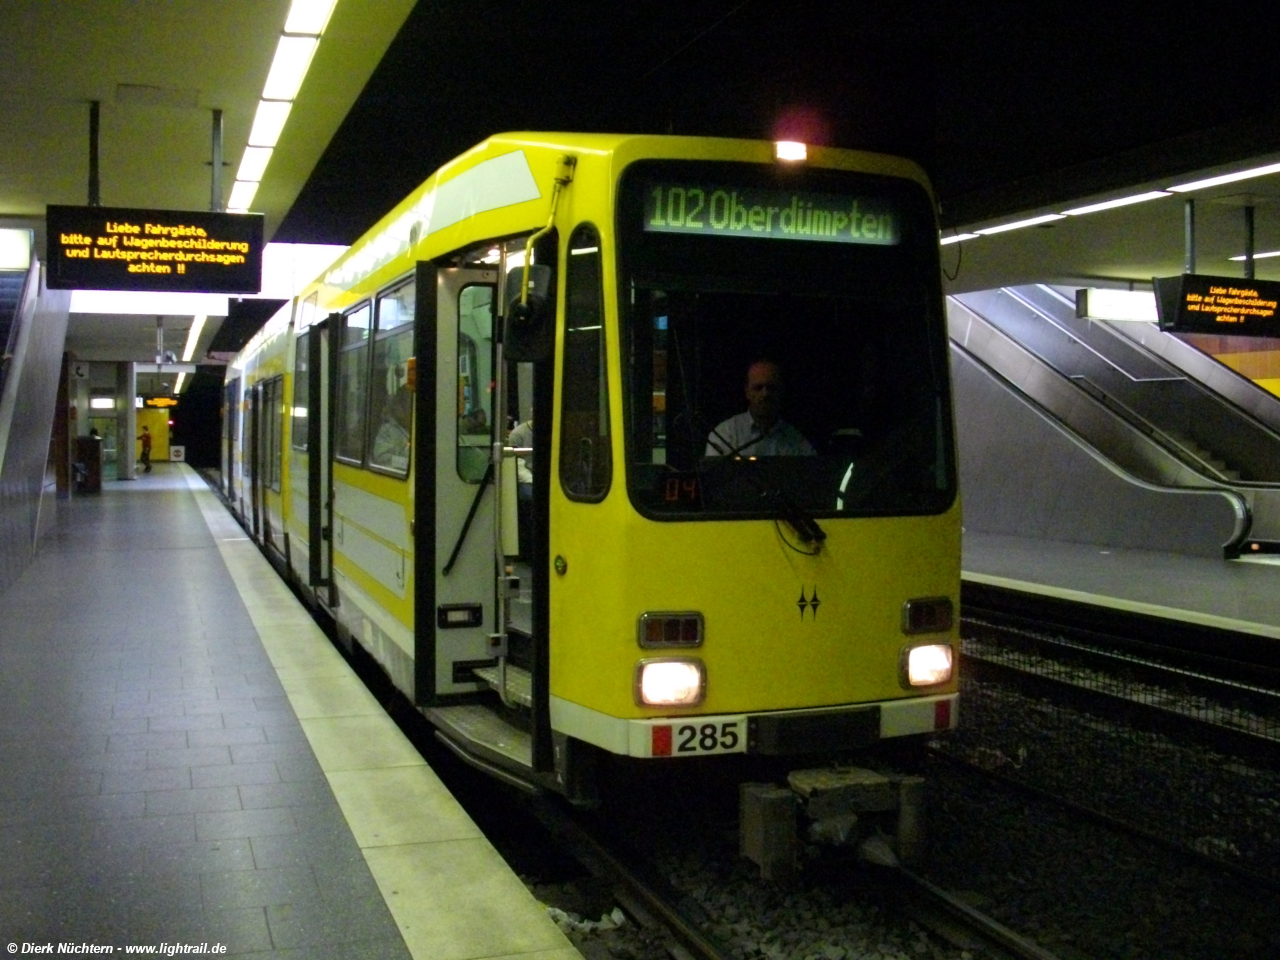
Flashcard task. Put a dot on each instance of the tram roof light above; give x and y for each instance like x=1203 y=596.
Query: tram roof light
x=1120 y=202
x=292 y=59
x=242 y=194
x=1227 y=178
x=268 y=122
x=309 y=17
x=1019 y=224
x=254 y=163
x=790 y=150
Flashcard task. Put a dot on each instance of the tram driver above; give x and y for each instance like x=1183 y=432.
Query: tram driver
x=759 y=431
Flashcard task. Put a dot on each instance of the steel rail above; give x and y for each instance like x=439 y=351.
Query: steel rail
x=991 y=934
x=649 y=900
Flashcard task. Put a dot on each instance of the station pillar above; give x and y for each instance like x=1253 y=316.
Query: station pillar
x=126 y=420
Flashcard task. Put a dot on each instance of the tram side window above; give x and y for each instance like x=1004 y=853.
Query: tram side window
x=391 y=388
x=301 y=374
x=586 y=465
x=353 y=386
x=272 y=425
x=475 y=374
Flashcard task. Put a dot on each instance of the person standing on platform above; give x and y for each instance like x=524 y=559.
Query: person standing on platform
x=145 y=437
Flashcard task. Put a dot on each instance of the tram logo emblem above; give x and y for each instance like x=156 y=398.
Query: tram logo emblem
x=808 y=603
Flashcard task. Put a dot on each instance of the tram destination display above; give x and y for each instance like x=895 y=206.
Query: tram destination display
x=770 y=213
x=1193 y=303
x=112 y=248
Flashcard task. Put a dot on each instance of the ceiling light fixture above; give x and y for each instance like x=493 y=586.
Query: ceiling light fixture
x=305 y=23
x=309 y=17
x=957 y=238
x=1112 y=204
x=193 y=337
x=1019 y=224
x=293 y=57
x=254 y=163
x=1227 y=178
x=1096 y=303
x=268 y=122
x=1258 y=256
x=15 y=248
x=242 y=194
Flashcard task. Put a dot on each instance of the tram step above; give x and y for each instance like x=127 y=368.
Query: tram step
x=519 y=683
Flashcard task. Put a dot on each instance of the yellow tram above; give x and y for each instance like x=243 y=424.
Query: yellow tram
x=730 y=523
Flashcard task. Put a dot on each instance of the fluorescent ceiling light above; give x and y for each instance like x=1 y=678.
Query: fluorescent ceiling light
x=131 y=302
x=1099 y=304
x=288 y=267
x=193 y=337
x=309 y=16
x=15 y=249
x=293 y=57
x=254 y=163
x=1019 y=224
x=957 y=238
x=102 y=403
x=177 y=384
x=1228 y=178
x=1259 y=256
x=268 y=122
x=242 y=194
x=1112 y=204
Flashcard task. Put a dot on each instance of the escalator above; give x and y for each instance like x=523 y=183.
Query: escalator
x=1058 y=452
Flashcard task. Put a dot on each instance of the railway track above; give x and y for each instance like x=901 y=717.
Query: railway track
x=656 y=905
x=1191 y=734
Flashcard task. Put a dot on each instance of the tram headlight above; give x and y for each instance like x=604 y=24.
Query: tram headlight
x=928 y=665
x=670 y=682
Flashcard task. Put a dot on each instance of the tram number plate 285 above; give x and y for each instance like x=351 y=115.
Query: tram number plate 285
x=700 y=737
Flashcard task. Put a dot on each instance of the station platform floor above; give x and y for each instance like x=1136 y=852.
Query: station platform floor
x=1241 y=595
x=186 y=760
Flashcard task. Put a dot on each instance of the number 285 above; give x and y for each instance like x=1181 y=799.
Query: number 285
x=706 y=738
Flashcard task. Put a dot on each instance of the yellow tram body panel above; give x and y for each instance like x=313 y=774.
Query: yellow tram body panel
x=761 y=650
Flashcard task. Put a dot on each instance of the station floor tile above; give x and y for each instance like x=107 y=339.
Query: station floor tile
x=159 y=786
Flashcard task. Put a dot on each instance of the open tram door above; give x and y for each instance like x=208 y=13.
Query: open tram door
x=480 y=602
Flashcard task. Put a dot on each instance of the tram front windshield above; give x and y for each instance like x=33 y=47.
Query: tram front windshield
x=818 y=288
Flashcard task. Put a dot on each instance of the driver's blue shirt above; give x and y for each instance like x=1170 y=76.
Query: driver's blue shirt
x=742 y=434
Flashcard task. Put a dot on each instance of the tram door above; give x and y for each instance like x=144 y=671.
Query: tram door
x=456 y=612
x=253 y=461
x=319 y=463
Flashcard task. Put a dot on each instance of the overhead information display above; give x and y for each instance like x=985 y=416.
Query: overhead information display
x=1193 y=303
x=110 y=248
x=768 y=213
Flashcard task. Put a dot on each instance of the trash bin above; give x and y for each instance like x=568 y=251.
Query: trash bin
x=87 y=465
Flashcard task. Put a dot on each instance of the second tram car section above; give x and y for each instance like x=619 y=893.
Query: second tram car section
x=624 y=449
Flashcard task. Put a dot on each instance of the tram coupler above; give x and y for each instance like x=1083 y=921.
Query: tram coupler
x=842 y=806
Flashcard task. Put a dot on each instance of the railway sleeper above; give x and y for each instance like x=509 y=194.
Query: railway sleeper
x=838 y=807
